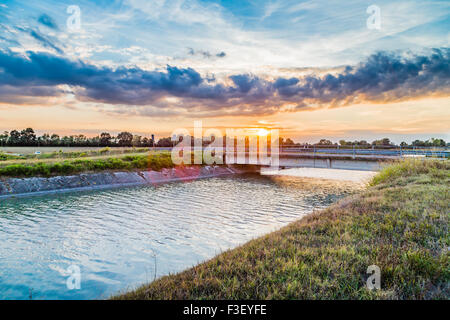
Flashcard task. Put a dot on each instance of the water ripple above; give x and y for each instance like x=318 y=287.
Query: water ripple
x=117 y=237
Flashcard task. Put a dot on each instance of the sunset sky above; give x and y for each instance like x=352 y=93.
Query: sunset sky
x=313 y=69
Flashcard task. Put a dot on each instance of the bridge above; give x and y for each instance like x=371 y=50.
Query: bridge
x=330 y=157
x=354 y=158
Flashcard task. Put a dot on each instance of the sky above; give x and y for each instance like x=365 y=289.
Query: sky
x=313 y=69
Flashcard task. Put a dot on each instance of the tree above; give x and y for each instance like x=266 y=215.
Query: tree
x=95 y=141
x=105 y=139
x=66 y=141
x=125 y=139
x=4 y=138
x=14 y=138
x=164 y=142
x=382 y=142
x=54 y=140
x=27 y=137
x=45 y=139
x=80 y=140
x=437 y=142
x=362 y=143
x=324 y=142
x=136 y=142
x=289 y=141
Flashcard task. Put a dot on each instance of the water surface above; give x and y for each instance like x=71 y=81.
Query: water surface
x=124 y=237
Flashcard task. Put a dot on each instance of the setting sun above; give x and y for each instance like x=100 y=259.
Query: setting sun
x=263 y=132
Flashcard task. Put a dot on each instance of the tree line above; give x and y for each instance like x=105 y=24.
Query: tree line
x=27 y=137
x=385 y=142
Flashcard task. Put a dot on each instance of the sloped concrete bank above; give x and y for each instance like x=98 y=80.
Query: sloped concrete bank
x=21 y=187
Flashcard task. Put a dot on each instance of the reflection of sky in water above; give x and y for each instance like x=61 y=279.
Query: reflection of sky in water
x=328 y=174
x=118 y=236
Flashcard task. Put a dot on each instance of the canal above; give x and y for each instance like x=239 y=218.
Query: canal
x=122 y=238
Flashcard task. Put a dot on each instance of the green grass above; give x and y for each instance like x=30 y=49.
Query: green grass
x=155 y=161
x=404 y=171
x=61 y=154
x=400 y=223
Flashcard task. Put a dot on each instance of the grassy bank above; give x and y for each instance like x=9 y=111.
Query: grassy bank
x=153 y=161
x=400 y=223
x=61 y=154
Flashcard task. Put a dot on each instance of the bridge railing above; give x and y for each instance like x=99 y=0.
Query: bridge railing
x=393 y=152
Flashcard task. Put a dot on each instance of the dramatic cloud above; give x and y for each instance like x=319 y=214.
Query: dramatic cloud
x=383 y=77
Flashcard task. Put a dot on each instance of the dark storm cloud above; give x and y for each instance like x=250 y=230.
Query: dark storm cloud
x=383 y=77
x=119 y=86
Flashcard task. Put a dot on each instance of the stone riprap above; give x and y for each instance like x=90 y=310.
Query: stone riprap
x=11 y=187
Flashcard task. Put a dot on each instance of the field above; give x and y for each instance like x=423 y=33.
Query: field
x=45 y=150
x=29 y=153
x=32 y=150
x=81 y=160
x=400 y=224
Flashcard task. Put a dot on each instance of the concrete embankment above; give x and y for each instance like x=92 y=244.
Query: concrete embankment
x=20 y=187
